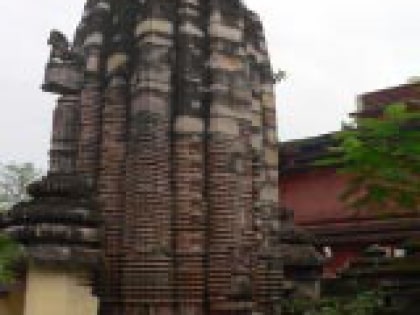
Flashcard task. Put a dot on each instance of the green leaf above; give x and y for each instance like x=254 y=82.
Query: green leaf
x=10 y=252
x=382 y=158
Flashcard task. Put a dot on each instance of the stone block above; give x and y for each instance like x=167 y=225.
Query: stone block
x=224 y=125
x=187 y=124
x=116 y=61
x=219 y=30
x=154 y=26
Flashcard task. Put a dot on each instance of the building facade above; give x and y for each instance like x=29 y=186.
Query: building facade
x=314 y=192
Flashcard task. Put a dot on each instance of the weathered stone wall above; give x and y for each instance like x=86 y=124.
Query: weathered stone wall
x=175 y=125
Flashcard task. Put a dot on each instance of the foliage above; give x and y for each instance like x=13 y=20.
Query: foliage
x=381 y=156
x=13 y=181
x=363 y=303
x=14 y=178
x=10 y=252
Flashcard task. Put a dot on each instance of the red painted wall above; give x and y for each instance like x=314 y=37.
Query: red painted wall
x=314 y=195
x=340 y=260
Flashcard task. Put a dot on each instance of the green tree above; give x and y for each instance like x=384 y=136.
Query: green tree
x=10 y=252
x=381 y=157
x=14 y=178
x=362 y=303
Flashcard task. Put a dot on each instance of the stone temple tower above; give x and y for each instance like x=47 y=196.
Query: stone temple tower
x=167 y=110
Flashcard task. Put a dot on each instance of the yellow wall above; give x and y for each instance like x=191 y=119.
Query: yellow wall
x=50 y=292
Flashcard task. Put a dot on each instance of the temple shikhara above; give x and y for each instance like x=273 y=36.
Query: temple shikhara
x=162 y=195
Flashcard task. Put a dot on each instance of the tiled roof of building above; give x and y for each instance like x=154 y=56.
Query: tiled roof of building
x=299 y=155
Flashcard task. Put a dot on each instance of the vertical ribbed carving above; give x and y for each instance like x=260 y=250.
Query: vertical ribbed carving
x=112 y=170
x=147 y=268
x=189 y=209
x=92 y=37
x=65 y=136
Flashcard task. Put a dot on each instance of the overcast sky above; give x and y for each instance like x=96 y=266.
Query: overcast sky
x=332 y=51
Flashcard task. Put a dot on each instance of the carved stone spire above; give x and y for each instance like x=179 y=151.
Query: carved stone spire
x=168 y=112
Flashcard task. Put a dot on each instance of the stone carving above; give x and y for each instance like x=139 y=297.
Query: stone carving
x=163 y=109
x=60 y=47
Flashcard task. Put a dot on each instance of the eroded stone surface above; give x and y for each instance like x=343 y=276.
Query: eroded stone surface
x=167 y=109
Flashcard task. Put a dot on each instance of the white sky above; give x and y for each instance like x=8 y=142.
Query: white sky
x=331 y=49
